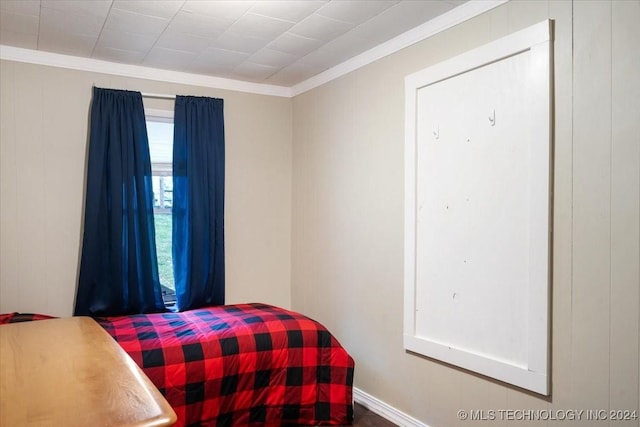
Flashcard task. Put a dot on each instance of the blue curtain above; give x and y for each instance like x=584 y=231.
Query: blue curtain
x=198 y=202
x=118 y=268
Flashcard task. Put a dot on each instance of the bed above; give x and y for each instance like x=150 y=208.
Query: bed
x=241 y=365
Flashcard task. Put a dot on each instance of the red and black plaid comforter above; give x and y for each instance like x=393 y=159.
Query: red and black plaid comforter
x=22 y=317
x=250 y=364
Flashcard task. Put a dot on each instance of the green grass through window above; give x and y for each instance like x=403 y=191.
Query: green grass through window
x=163 y=248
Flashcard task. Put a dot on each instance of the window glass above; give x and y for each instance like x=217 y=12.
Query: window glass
x=160 y=133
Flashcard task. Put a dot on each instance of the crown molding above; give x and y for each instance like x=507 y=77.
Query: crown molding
x=447 y=20
x=39 y=57
x=438 y=24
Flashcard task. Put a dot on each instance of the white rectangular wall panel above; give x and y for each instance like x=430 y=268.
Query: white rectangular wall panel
x=477 y=209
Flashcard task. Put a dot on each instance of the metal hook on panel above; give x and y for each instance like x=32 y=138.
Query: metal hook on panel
x=492 y=118
x=436 y=132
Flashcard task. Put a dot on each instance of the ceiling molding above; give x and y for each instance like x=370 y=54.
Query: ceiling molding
x=440 y=23
x=39 y=57
x=449 y=19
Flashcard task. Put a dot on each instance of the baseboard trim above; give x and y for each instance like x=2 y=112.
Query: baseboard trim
x=385 y=410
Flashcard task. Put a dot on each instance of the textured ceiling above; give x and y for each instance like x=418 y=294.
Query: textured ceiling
x=272 y=42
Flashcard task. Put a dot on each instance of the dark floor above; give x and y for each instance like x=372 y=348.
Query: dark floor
x=362 y=417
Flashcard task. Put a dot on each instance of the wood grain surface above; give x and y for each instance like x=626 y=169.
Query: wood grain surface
x=71 y=372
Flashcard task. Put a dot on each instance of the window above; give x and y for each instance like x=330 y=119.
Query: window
x=160 y=132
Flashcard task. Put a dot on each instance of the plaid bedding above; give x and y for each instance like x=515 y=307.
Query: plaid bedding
x=22 y=317
x=241 y=365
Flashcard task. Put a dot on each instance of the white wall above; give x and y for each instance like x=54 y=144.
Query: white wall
x=43 y=140
x=348 y=216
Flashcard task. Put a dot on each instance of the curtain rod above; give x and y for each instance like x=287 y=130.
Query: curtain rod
x=157 y=96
